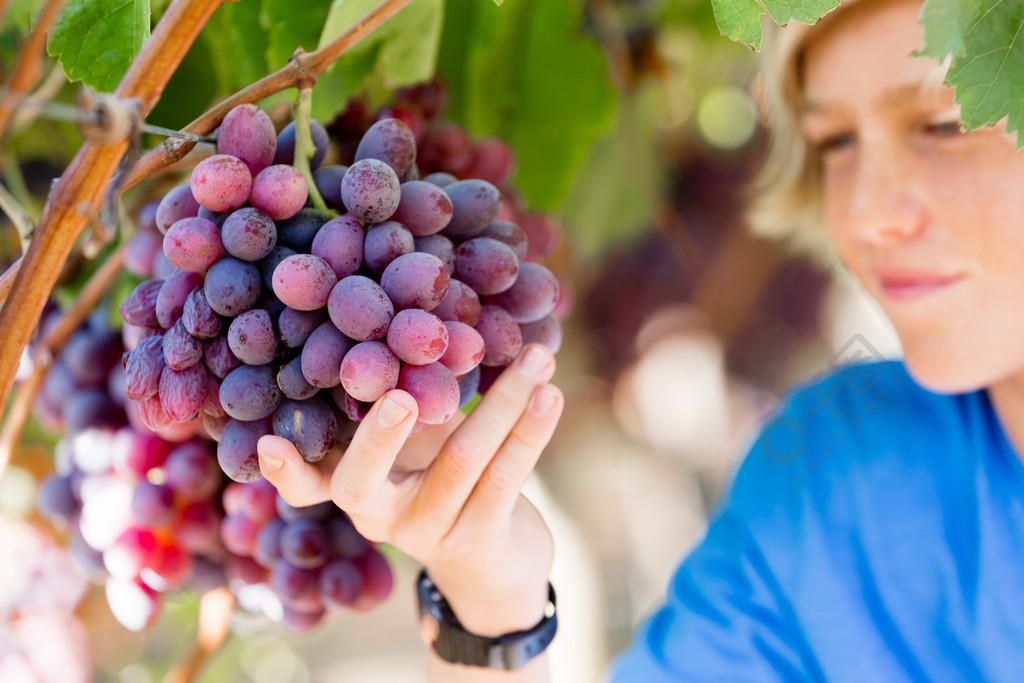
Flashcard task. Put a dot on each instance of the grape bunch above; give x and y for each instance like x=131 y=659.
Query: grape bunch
x=270 y=317
x=297 y=564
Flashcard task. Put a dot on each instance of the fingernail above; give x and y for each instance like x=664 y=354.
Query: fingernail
x=545 y=400
x=391 y=414
x=534 y=362
x=269 y=462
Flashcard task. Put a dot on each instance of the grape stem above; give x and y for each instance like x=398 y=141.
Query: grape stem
x=214 y=622
x=305 y=150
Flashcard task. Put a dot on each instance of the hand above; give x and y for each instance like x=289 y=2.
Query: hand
x=449 y=496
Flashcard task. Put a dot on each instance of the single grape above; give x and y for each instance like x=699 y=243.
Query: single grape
x=339 y=242
x=340 y=584
x=279 y=191
x=360 y=308
x=486 y=265
x=465 y=348
x=269 y=264
x=440 y=179
x=304 y=544
x=546 y=331
x=191 y=471
x=238 y=533
x=417 y=337
x=182 y=393
x=218 y=356
x=139 y=307
x=176 y=204
x=214 y=426
x=384 y=243
x=171 y=569
x=542 y=232
x=57 y=499
x=416 y=280
x=293 y=383
x=134 y=453
x=170 y=301
x=493 y=161
x=322 y=356
x=140 y=252
x=236 y=452
x=250 y=392
x=162 y=268
x=475 y=205
x=87 y=408
x=90 y=354
x=371 y=190
x=304 y=282
x=268 y=543
x=392 y=142
x=424 y=208
x=221 y=182
x=249 y=234
x=439 y=246
x=199 y=319
x=180 y=349
x=447 y=146
x=369 y=370
x=378 y=579
x=285 y=153
x=468 y=385
x=193 y=244
x=502 y=339
x=232 y=286
x=532 y=296
x=461 y=304
x=291 y=582
x=251 y=337
x=435 y=389
x=510 y=234
x=152 y=414
x=356 y=410
x=134 y=550
x=211 y=402
x=248 y=133
x=309 y=424
x=328 y=183
x=215 y=217
x=295 y=326
x=290 y=513
x=345 y=540
x=299 y=231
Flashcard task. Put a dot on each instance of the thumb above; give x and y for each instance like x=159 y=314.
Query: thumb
x=298 y=482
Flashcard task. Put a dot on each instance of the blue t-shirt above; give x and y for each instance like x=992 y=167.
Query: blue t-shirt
x=874 y=533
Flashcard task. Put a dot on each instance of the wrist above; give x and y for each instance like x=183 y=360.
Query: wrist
x=492 y=613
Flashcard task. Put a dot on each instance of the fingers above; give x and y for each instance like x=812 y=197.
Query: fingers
x=498 y=490
x=298 y=482
x=363 y=470
x=452 y=477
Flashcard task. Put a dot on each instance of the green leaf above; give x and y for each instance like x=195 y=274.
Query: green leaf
x=739 y=20
x=190 y=91
x=401 y=52
x=96 y=40
x=804 y=11
x=986 y=42
x=289 y=28
x=527 y=74
x=238 y=45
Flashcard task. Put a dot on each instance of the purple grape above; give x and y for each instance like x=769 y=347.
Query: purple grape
x=345 y=540
x=221 y=182
x=546 y=331
x=142 y=368
x=193 y=244
x=360 y=308
x=486 y=265
x=390 y=141
x=218 y=357
x=170 y=301
x=417 y=337
x=356 y=410
x=293 y=383
x=371 y=190
x=424 y=208
x=435 y=389
x=268 y=543
x=162 y=268
x=295 y=326
x=299 y=231
x=285 y=153
x=461 y=304
x=268 y=264
x=447 y=146
x=475 y=205
x=304 y=282
x=248 y=133
x=139 y=307
x=309 y=424
x=279 y=191
x=384 y=243
x=290 y=513
x=211 y=402
x=232 y=287
x=90 y=354
x=214 y=425
x=182 y=393
x=176 y=204
x=238 y=533
x=236 y=452
x=181 y=349
x=378 y=580
x=57 y=498
x=191 y=472
x=304 y=544
x=339 y=242
x=250 y=392
x=493 y=161
x=322 y=356
x=416 y=280
x=291 y=582
x=440 y=179
x=199 y=319
x=468 y=385
x=510 y=234
x=328 y=183
x=340 y=584
x=140 y=252
x=532 y=296
x=88 y=408
x=465 y=348
x=369 y=370
x=301 y=620
x=251 y=337
x=249 y=234
x=502 y=339
x=215 y=217
x=440 y=246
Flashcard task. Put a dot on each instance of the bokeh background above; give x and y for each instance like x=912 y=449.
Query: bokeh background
x=684 y=332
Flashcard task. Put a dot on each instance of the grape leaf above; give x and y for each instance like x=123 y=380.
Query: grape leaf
x=288 y=29
x=401 y=52
x=96 y=40
x=238 y=43
x=527 y=74
x=740 y=20
x=984 y=38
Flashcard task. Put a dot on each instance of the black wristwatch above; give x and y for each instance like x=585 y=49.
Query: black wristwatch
x=454 y=644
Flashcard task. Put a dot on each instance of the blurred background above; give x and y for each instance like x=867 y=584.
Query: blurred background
x=635 y=126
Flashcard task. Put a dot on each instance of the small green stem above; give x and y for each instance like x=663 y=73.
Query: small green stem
x=23 y=223
x=304 y=149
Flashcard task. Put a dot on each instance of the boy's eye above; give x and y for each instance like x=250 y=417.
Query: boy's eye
x=946 y=128
x=834 y=143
